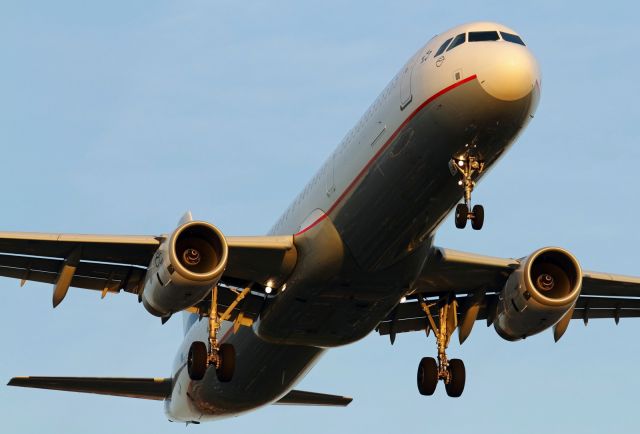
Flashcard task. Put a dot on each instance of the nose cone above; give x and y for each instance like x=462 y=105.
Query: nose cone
x=510 y=73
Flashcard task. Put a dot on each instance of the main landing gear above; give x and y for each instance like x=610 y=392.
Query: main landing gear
x=430 y=371
x=468 y=166
x=222 y=357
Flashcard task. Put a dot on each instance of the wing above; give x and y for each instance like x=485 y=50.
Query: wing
x=111 y=263
x=468 y=275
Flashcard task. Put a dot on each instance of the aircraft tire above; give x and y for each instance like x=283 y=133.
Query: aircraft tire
x=228 y=365
x=462 y=211
x=427 y=376
x=455 y=387
x=197 y=360
x=478 y=217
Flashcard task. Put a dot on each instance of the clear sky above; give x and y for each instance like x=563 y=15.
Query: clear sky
x=116 y=117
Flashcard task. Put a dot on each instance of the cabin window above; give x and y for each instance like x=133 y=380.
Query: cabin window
x=509 y=37
x=483 y=36
x=443 y=47
x=457 y=41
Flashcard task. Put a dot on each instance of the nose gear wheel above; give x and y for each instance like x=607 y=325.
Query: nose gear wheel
x=469 y=167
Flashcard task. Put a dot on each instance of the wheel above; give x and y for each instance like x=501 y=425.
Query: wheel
x=458 y=376
x=478 y=217
x=227 y=355
x=427 y=376
x=197 y=361
x=462 y=211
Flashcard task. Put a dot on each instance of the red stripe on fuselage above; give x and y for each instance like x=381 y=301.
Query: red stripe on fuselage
x=384 y=147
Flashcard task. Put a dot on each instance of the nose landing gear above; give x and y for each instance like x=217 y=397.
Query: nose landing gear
x=451 y=372
x=468 y=167
x=222 y=357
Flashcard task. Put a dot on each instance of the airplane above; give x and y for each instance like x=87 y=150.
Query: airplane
x=353 y=254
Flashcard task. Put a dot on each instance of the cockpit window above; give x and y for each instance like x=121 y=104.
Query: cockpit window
x=509 y=37
x=457 y=41
x=483 y=36
x=442 y=47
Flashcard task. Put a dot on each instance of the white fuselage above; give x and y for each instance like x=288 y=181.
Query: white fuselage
x=386 y=188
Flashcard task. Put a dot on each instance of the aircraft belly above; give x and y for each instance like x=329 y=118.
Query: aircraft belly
x=408 y=190
x=355 y=265
x=330 y=300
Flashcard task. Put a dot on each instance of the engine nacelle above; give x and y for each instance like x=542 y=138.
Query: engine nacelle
x=185 y=268
x=538 y=294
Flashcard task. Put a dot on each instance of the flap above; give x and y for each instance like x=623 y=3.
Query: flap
x=89 y=275
x=409 y=316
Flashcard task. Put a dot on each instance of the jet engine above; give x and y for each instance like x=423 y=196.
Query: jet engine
x=185 y=268
x=538 y=294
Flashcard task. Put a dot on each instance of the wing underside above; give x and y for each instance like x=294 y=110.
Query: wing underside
x=464 y=274
x=112 y=263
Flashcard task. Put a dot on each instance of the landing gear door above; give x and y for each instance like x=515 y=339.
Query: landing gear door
x=405 y=85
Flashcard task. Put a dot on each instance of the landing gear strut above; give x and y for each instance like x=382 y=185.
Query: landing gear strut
x=451 y=372
x=222 y=357
x=468 y=167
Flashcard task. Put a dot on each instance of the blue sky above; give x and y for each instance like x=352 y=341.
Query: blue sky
x=116 y=117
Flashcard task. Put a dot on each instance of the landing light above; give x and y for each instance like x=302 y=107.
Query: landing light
x=460 y=163
x=403 y=300
x=283 y=287
x=268 y=289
